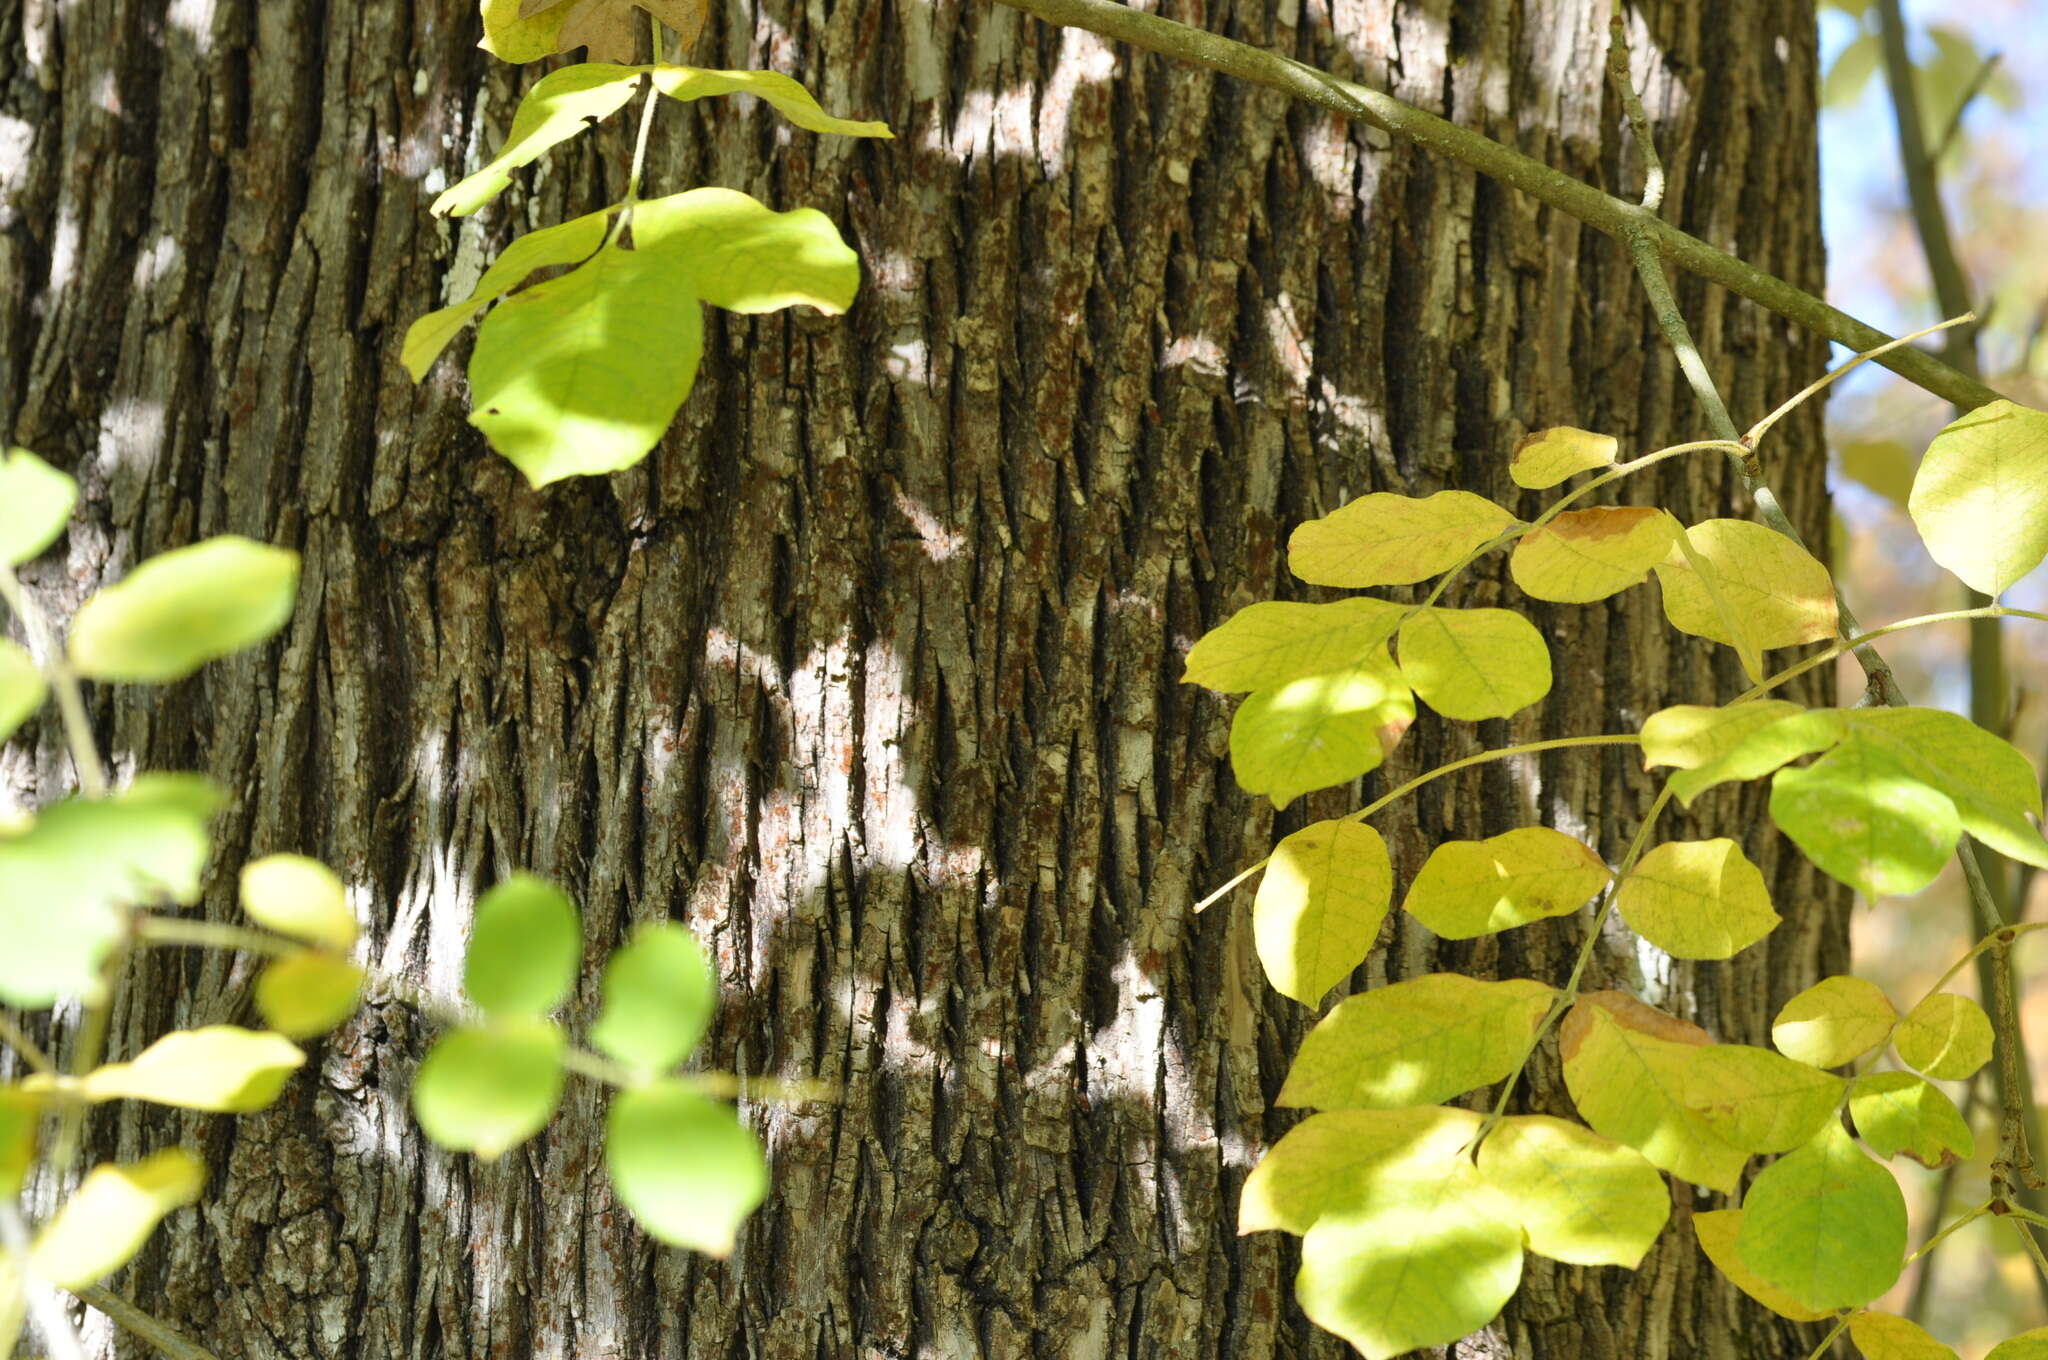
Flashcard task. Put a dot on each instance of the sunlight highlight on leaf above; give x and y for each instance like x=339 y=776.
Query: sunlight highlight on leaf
x=1320 y=905
x=1387 y=540
x=1416 y=1042
x=1471 y=888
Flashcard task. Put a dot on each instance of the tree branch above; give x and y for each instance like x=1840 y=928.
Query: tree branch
x=1598 y=210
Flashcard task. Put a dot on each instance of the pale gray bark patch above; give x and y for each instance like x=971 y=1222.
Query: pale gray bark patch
x=870 y=673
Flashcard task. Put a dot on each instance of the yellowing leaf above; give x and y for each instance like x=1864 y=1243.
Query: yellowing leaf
x=564 y=243
x=1711 y=746
x=1749 y=587
x=1625 y=1065
x=1586 y=555
x=222 y=1068
x=1580 y=1197
x=1866 y=819
x=182 y=609
x=611 y=29
x=1945 y=1036
x=1826 y=1224
x=1887 y=1336
x=1417 y=1042
x=111 y=1214
x=35 y=505
x=1543 y=458
x=1697 y=899
x=1389 y=540
x=559 y=106
x=1269 y=644
x=22 y=690
x=1834 y=1022
x=1332 y=1163
x=786 y=96
x=1898 y=1112
x=1471 y=888
x=512 y=36
x=1319 y=906
x=303 y=995
x=1426 y=1260
x=1474 y=663
x=1980 y=499
x=299 y=897
x=1319 y=730
x=1758 y=1101
x=2026 y=1346
x=1717 y=1230
x=20 y=1114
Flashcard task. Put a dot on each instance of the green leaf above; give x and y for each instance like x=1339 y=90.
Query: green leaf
x=1749 y=587
x=1266 y=645
x=784 y=95
x=1428 y=1259
x=1626 y=1067
x=66 y=879
x=1864 y=818
x=21 y=1113
x=222 y=1068
x=524 y=949
x=1887 y=1336
x=35 y=505
x=1472 y=888
x=1826 y=1224
x=559 y=106
x=1980 y=500
x=489 y=1089
x=1851 y=72
x=1586 y=555
x=1993 y=786
x=1544 y=458
x=22 y=690
x=184 y=608
x=1337 y=1162
x=302 y=995
x=1882 y=465
x=299 y=897
x=1417 y=1042
x=105 y=1221
x=1717 y=1230
x=685 y=1165
x=1712 y=746
x=1474 y=663
x=1758 y=1101
x=1898 y=1112
x=2026 y=1346
x=1580 y=1197
x=1319 y=907
x=1945 y=1036
x=1320 y=730
x=1834 y=1022
x=1697 y=899
x=1389 y=540
x=745 y=257
x=513 y=38
x=581 y=375
x=564 y=243
x=659 y=992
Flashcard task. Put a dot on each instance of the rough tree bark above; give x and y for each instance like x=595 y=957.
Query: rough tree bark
x=870 y=672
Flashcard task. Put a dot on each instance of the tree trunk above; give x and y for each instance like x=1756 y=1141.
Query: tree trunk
x=870 y=673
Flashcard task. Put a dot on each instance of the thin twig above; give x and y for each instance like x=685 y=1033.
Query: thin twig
x=16 y=1038
x=166 y=1338
x=1985 y=71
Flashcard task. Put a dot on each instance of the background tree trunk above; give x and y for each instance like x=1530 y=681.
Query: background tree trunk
x=870 y=672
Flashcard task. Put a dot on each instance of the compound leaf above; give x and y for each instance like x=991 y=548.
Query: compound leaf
x=1472 y=888
x=685 y=1165
x=184 y=608
x=1389 y=540
x=1581 y=1198
x=1319 y=906
x=1586 y=555
x=1417 y=1042
x=1945 y=1036
x=1544 y=458
x=1697 y=899
x=1269 y=644
x=1834 y=1022
x=1993 y=786
x=1898 y=1112
x=564 y=243
x=1826 y=1223
x=741 y=255
x=1980 y=499
x=1474 y=663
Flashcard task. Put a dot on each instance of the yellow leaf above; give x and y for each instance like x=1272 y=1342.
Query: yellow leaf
x=1833 y=1022
x=1717 y=1230
x=111 y=1214
x=1269 y=644
x=1544 y=458
x=20 y=1113
x=1697 y=899
x=1883 y=465
x=1320 y=905
x=1980 y=500
x=299 y=897
x=1320 y=730
x=1748 y=587
x=1581 y=1198
x=222 y=1068
x=1417 y=1042
x=1898 y=1112
x=561 y=105
x=1711 y=746
x=1586 y=555
x=1625 y=1065
x=308 y=994
x=1887 y=1336
x=1474 y=663
x=1334 y=1162
x=1471 y=888
x=1758 y=1101
x=2026 y=1346
x=1946 y=1036
x=781 y=93
x=1388 y=540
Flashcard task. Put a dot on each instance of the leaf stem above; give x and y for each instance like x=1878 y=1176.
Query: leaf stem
x=166 y=1338
x=16 y=1038
x=1960 y=1223
x=178 y=930
x=92 y=780
x=1841 y=1325
x=1821 y=383
x=639 y=166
